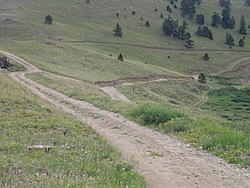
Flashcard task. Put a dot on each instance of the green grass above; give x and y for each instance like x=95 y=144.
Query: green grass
x=79 y=158
x=78 y=45
x=231 y=103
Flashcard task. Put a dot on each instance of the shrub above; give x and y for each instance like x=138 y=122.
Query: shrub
x=150 y=114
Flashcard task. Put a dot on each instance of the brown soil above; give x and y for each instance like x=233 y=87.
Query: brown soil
x=163 y=161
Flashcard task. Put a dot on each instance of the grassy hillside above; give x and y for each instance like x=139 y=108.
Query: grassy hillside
x=80 y=45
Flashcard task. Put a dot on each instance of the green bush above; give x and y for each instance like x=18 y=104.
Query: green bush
x=150 y=114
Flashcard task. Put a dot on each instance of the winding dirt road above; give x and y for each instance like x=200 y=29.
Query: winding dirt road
x=173 y=165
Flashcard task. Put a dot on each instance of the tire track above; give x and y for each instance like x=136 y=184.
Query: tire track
x=176 y=166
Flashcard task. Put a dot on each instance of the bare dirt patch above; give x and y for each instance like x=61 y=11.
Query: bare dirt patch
x=163 y=161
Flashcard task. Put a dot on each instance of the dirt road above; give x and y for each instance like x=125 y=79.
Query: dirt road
x=165 y=163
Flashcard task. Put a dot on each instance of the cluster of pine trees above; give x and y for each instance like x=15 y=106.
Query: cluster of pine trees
x=188 y=9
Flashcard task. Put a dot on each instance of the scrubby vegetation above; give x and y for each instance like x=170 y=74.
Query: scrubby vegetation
x=79 y=158
x=75 y=53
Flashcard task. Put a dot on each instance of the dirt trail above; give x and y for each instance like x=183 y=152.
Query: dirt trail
x=175 y=166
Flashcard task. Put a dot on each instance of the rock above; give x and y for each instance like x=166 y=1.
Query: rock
x=40 y=147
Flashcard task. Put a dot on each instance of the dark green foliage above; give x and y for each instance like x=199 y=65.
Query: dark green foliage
x=48 y=19
x=117 y=15
x=215 y=20
x=120 y=57
x=248 y=2
x=199 y=32
x=206 y=57
x=175 y=7
x=118 y=30
x=202 y=78
x=156 y=9
x=147 y=24
x=161 y=16
x=87 y=1
x=226 y=4
x=170 y=27
x=231 y=102
x=150 y=114
x=241 y=43
x=200 y=19
x=229 y=39
x=204 y=32
x=188 y=8
x=189 y=43
x=226 y=21
x=243 y=29
x=169 y=9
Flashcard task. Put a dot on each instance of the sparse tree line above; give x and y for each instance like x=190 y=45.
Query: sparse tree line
x=188 y=9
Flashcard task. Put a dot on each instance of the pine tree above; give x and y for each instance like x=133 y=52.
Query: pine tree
x=161 y=16
x=188 y=8
x=169 y=27
x=241 y=43
x=243 y=29
x=248 y=2
x=199 y=32
x=118 y=30
x=200 y=19
x=169 y=9
x=147 y=24
x=229 y=39
x=215 y=20
x=225 y=18
x=231 y=23
x=120 y=57
x=202 y=78
x=48 y=19
x=206 y=57
x=226 y=4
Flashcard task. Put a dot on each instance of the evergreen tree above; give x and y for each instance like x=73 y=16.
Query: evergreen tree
x=202 y=78
x=226 y=21
x=226 y=4
x=215 y=20
x=48 y=19
x=204 y=32
x=243 y=29
x=161 y=16
x=229 y=39
x=231 y=23
x=241 y=43
x=248 y=2
x=225 y=18
x=147 y=24
x=120 y=57
x=169 y=9
x=206 y=57
x=169 y=27
x=118 y=30
x=199 y=32
x=188 y=8
x=200 y=19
